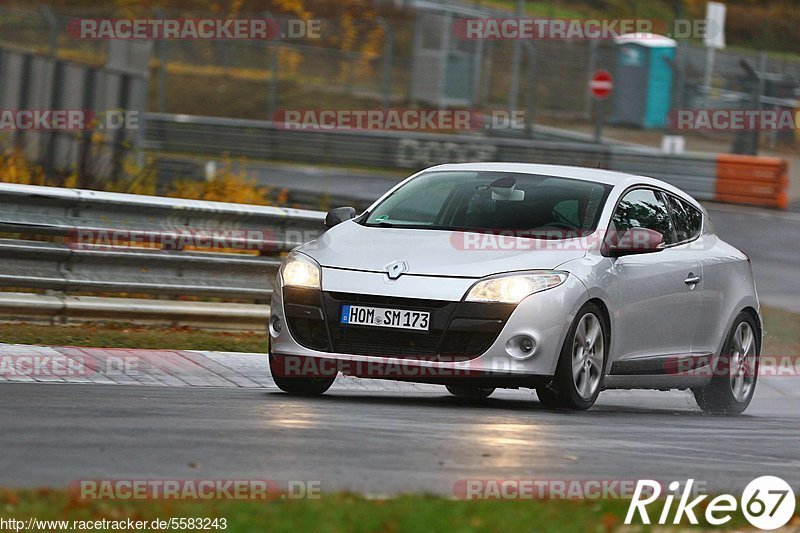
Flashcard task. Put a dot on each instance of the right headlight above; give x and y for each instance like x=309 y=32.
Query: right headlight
x=513 y=288
x=299 y=270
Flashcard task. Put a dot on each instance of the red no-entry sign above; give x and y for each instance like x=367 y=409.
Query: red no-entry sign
x=601 y=85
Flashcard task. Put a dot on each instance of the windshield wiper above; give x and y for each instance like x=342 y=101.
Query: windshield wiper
x=407 y=226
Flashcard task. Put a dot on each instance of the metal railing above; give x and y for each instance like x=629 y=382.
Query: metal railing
x=106 y=264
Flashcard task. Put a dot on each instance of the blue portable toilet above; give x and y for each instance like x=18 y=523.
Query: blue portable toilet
x=643 y=80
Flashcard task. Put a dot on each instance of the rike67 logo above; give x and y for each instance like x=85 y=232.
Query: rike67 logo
x=767 y=502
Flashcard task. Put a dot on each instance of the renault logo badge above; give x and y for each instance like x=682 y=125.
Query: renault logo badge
x=396 y=269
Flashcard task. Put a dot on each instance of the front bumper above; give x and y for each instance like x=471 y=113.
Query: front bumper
x=466 y=339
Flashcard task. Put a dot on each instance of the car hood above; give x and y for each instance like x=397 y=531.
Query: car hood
x=436 y=252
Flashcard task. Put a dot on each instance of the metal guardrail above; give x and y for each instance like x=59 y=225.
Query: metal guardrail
x=66 y=309
x=97 y=258
x=39 y=265
x=213 y=136
x=57 y=211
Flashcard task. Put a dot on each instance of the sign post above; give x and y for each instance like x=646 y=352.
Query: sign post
x=600 y=86
x=714 y=39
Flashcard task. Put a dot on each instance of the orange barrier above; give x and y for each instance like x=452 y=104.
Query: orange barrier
x=753 y=180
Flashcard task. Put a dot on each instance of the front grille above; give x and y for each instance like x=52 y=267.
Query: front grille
x=384 y=343
x=458 y=330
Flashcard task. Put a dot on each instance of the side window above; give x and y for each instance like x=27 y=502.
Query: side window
x=688 y=220
x=644 y=208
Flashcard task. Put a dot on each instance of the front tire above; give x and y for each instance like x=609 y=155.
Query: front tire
x=733 y=382
x=581 y=366
x=300 y=386
x=470 y=392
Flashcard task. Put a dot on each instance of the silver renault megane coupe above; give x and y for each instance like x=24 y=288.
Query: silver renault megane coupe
x=561 y=279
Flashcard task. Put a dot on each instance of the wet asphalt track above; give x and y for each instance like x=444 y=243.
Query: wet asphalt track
x=381 y=438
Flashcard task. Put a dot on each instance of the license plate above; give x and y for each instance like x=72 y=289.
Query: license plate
x=357 y=315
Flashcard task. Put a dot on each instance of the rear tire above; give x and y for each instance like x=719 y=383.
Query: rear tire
x=581 y=366
x=470 y=392
x=733 y=381
x=300 y=386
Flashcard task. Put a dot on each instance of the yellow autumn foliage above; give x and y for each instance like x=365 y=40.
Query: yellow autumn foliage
x=289 y=61
x=133 y=179
x=15 y=168
x=294 y=7
x=227 y=185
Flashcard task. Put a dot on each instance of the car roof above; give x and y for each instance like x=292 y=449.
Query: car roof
x=606 y=177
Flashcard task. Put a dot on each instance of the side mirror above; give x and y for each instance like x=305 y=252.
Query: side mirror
x=339 y=215
x=634 y=241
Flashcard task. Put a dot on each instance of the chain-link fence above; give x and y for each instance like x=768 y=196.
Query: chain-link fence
x=252 y=78
x=199 y=76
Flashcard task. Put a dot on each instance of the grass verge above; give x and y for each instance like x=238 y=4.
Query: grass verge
x=130 y=336
x=781 y=332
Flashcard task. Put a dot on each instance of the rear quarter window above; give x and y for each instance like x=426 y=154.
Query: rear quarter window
x=688 y=219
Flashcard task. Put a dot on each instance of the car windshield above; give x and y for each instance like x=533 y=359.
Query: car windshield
x=526 y=204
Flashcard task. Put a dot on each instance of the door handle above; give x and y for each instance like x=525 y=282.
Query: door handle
x=692 y=279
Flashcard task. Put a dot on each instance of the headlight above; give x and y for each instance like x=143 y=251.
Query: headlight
x=513 y=288
x=300 y=271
